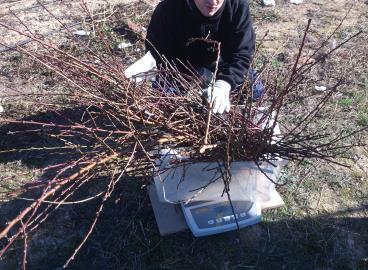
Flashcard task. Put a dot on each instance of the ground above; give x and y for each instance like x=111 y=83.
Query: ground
x=324 y=222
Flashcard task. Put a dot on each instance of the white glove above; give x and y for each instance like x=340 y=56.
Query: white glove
x=144 y=64
x=220 y=96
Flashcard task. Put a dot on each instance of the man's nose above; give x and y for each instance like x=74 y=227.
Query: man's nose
x=212 y=2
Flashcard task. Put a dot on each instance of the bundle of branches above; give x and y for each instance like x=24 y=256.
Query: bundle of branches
x=118 y=125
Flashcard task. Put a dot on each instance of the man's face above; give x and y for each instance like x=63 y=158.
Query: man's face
x=208 y=7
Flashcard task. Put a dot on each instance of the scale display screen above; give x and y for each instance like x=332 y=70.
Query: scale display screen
x=220 y=213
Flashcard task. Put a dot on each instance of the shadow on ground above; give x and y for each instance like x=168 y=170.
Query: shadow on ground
x=44 y=143
x=126 y=235
x=42 y=139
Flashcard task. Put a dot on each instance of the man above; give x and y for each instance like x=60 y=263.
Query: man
x=177 y=33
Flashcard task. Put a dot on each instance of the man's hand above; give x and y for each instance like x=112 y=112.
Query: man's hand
x=219 y=97
x=137 y=70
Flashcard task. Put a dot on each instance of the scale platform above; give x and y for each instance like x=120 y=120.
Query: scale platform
x=197 y=201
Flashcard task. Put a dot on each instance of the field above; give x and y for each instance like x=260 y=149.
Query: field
x=324 y=222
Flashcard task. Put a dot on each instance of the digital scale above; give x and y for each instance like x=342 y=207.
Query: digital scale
x=192 y=196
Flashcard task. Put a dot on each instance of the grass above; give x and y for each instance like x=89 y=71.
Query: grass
x=362 y=99
x=322 y=225
x=363 y=118
x=346 y=102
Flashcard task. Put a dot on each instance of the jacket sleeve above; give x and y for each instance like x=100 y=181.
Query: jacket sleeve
x=237 y=50
x=158 y=33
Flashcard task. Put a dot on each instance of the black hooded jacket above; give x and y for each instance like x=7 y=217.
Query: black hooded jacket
x=175 y=23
